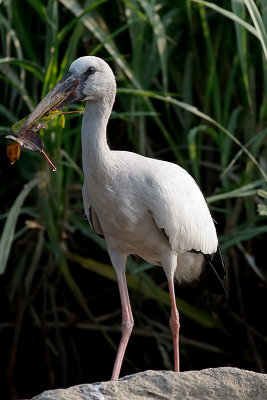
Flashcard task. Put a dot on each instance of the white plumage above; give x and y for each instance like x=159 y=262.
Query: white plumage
x=143 y=201
x=142 y=206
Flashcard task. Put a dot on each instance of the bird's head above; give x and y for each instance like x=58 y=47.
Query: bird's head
x=89 y=78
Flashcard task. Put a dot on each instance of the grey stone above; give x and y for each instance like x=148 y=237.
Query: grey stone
x=208 y=384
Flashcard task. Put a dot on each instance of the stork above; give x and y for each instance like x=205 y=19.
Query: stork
x=141 y=206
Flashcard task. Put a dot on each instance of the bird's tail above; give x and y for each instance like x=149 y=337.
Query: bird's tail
x=189 y=266
x=192 y=265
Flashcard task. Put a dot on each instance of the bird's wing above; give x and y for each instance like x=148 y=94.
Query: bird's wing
x=179 y=209
x=90 y=213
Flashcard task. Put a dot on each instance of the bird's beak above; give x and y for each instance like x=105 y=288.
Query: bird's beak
x=62 y=94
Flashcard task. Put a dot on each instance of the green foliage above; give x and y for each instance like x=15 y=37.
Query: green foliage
x=192 y=89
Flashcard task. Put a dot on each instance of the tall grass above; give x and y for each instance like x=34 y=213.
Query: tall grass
x=192 y=89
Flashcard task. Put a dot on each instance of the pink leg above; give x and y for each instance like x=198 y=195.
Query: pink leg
x=175 y=326
x=126 y=325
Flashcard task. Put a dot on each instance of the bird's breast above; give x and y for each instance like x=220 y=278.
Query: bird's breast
x=126 y=222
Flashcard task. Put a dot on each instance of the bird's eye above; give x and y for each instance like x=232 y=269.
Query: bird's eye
x=90 y=71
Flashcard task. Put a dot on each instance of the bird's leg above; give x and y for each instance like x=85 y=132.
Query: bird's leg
x=169 y=263
x=126 y=324
x=127 y=320
x=174 y=325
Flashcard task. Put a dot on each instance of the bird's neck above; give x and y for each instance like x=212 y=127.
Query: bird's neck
x=96 y=154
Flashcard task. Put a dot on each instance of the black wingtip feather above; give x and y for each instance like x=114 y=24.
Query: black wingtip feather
x=218 y=263
x=215 y=273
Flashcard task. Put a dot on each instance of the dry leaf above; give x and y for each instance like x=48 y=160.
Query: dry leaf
x=13 y=152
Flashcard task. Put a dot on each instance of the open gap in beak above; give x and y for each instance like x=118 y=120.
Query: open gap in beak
x=64 y=93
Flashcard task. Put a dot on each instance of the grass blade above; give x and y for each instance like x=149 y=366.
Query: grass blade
x=258 y=23
x=160 y=37
x=229 y=15
x=10 y=225
x=241 y=34
x=242 y=191
x=33 y=68
x=200 y=114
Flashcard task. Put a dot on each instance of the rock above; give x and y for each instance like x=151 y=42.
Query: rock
x=211 y=384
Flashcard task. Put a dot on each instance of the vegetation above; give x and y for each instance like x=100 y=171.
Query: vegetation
x=192 y=89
